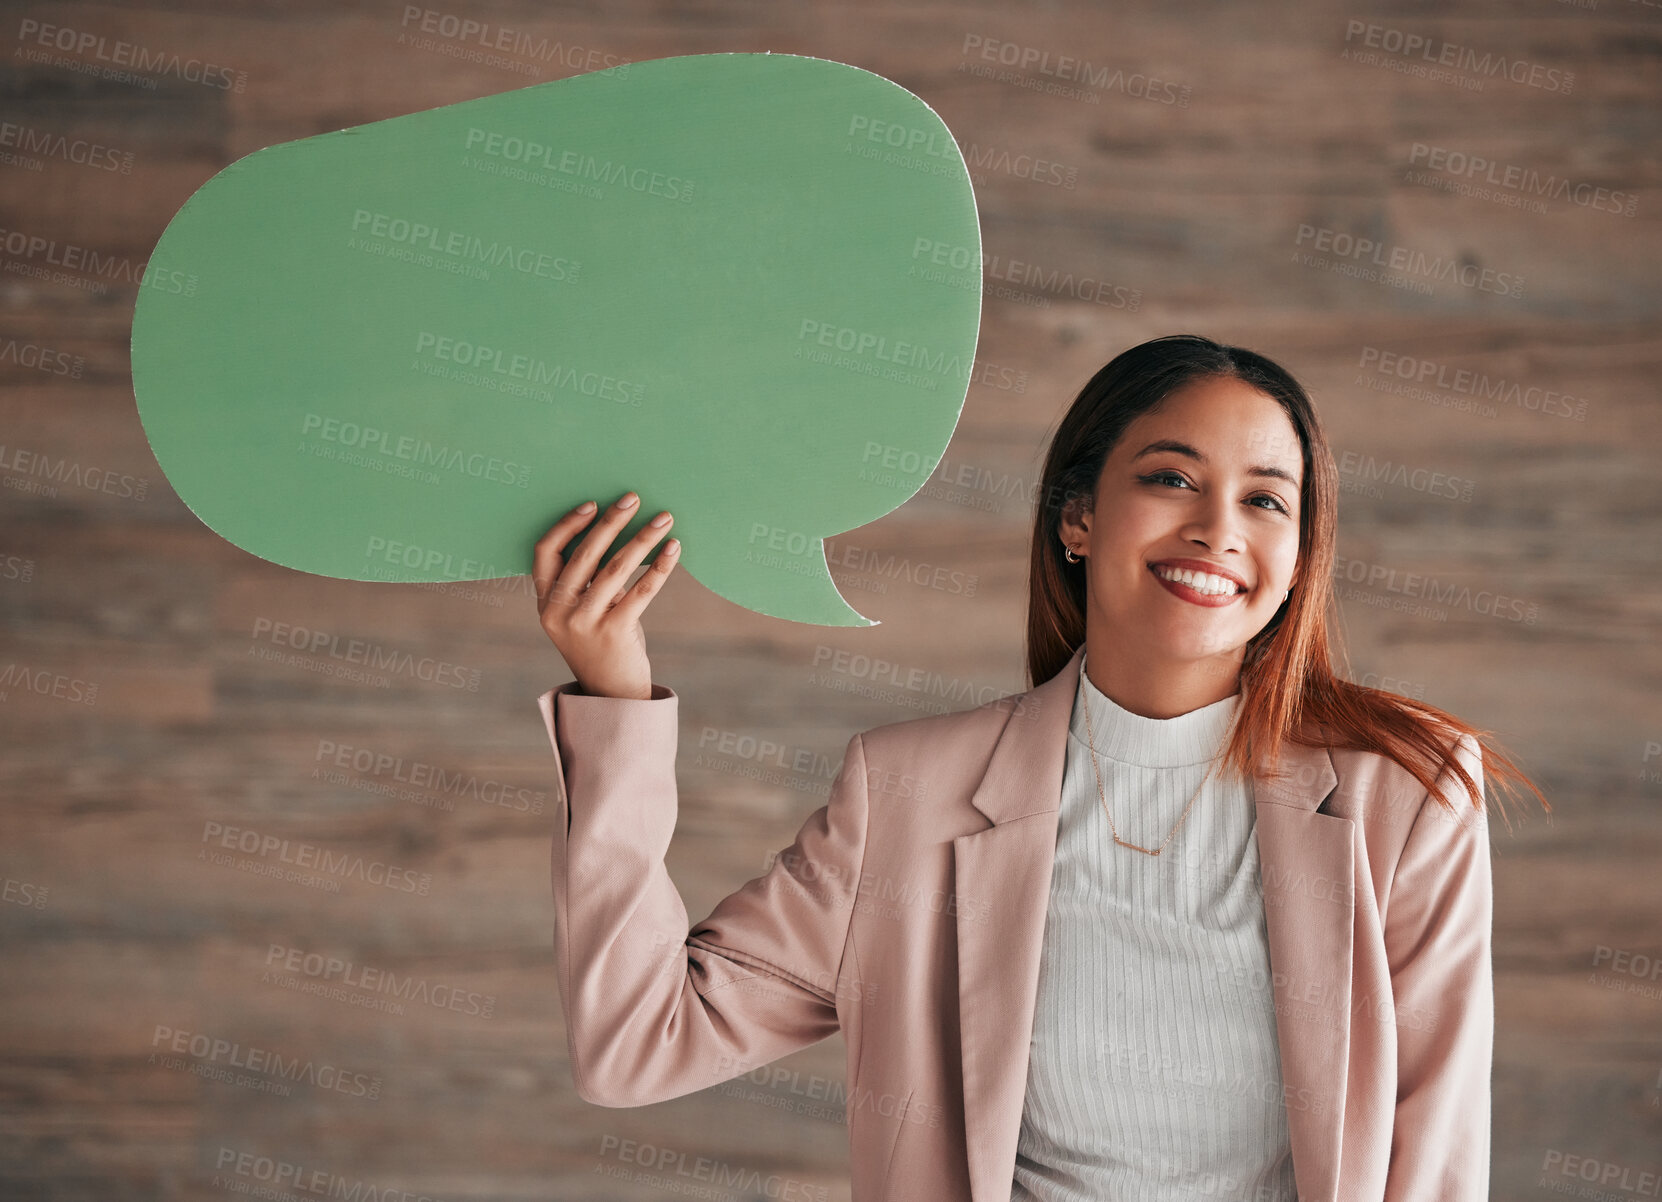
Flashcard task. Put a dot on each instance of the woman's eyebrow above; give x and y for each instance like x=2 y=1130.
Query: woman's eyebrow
x=1183 y=448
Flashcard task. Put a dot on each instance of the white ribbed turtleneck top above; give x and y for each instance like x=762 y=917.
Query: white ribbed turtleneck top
x=1154 y=1072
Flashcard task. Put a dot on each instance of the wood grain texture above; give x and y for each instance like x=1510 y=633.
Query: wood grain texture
x=120 y=933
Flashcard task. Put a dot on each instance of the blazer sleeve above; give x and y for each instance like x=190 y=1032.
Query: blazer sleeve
x=653 y=1009
x=1438 y=930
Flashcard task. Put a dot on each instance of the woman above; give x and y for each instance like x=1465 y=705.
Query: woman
x=1192 y=917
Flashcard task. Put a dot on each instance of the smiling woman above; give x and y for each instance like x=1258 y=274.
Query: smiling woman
x=1289 y=997
x=1185 y=456
x=1197 y=545
x=1187 y=539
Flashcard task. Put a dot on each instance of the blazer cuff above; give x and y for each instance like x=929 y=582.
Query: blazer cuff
x=570 y=689
x=581 y=727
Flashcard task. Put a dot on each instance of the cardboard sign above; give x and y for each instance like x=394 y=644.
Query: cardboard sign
x=747 y=286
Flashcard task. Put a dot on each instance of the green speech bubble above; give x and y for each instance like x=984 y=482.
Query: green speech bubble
x=747 y=286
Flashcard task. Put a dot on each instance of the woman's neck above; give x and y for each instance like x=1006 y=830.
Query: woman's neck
x=1162 y=689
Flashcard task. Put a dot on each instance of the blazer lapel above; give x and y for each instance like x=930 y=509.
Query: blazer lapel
x=1002 y=883
x=1308 y=864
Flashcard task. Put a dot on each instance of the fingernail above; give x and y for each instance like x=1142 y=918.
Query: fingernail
x=586 y=507
x=661 y=520
x=673 y=546
x=627 y=500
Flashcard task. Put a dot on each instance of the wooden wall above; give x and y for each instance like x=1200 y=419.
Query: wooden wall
x=117 y=934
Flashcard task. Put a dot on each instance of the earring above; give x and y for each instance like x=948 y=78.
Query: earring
x=1067 y=554
x=1286 y=594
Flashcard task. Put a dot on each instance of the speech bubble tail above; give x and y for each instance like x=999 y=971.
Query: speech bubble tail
x=798 y=588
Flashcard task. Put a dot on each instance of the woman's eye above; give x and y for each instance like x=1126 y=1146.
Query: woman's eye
x=1164 y=478
x=1177 y=480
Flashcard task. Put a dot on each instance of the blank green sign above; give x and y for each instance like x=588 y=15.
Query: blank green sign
x=746 y=286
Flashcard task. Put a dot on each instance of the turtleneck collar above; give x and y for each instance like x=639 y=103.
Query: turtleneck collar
x=1191 y=738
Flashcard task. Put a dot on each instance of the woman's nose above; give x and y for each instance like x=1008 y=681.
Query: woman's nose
x=1214 y=526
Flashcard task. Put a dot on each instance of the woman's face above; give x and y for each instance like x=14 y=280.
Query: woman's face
x=1207 y=483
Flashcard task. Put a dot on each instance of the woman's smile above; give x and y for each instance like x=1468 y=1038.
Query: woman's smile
x=1197 y=582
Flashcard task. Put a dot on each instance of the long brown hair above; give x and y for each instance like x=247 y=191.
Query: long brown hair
x=1289 y=691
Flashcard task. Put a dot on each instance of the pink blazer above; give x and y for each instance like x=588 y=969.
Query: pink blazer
x=909 y=913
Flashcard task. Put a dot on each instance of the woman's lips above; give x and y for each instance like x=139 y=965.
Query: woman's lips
x=1178 y=589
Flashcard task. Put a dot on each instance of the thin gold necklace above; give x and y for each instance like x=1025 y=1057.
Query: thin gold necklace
x=1090 y=732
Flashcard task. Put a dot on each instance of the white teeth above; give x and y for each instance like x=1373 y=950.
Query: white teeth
x=1201 y=582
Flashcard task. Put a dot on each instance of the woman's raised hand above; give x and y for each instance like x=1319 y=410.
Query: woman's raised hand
x=592 y=618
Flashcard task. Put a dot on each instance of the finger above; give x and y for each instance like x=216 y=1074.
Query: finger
x=575 y=578
x=640 y=594
x=586 y=555
x=610 y=582
x=545 y=558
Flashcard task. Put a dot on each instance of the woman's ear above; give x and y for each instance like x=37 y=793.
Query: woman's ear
x=1074 y=522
